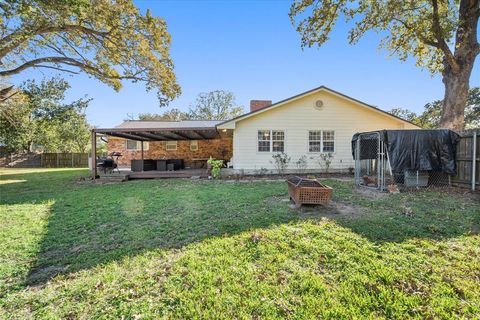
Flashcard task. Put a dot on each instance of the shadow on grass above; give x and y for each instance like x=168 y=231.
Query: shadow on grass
x=94 y=224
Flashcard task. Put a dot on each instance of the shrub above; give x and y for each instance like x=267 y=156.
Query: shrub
x=324 y=160
x=216 y=166
x=301 y=164
x=280 y=161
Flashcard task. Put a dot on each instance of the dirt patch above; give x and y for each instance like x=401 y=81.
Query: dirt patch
x=372 y=194
x=333 y=208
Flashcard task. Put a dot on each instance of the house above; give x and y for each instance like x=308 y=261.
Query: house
x=317 y=121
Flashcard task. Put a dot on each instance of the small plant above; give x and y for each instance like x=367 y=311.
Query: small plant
x=350 y=170
x=280 y=161
x=215 y=165
x=301 y=164
x=324 y=160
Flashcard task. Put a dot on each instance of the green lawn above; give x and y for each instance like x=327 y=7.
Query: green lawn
x=206 y=249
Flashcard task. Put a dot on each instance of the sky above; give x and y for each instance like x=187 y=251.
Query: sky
x=251 y=49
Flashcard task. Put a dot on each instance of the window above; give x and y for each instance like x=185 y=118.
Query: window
x=171 y=145
x=271 y=140
x=193 y=145
x=321 y=141
x=278 y=141
x=315 y=141
x=264 y=140
x=132 y=145
x=328 y=141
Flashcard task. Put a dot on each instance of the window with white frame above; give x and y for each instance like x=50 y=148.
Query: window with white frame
x=328 y=141
x=132 y=145
x=271 y=140
x=193 y=145
x=321 y=141
x=278 y=141
x=171 y=145
x=315 y=141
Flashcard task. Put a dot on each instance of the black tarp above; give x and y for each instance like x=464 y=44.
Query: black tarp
x=430 y=150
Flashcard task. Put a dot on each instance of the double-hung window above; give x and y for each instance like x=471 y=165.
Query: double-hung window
x=132 y=145
x=321 y=141
x=271 y=140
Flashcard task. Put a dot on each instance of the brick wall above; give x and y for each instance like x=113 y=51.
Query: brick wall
x=215 y=148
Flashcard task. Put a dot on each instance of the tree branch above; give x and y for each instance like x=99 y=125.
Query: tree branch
x=16 y=38
x=437 y=31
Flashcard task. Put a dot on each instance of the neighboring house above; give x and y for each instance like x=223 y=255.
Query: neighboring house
x=314 y=122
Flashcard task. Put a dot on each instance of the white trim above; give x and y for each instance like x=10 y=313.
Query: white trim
x=271 y=141
x=138 y=147
x=171 y=141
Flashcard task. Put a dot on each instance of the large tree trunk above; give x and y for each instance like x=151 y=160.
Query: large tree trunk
x=455 y=99
x=457 y=69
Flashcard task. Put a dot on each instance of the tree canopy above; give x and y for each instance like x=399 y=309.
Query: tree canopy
x=440 y=35
x=109 y=40
x=38 y=117
x=214 y=105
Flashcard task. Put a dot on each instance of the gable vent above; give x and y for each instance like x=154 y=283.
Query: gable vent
x=318 y=104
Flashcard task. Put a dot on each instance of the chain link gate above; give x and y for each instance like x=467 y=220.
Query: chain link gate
x=371 y=160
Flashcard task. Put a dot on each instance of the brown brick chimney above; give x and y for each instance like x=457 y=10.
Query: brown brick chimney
x=259 y=104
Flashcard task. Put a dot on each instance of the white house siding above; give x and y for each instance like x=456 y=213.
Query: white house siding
x=297 y=118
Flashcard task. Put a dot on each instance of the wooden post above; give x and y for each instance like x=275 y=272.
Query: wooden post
x=94 y=154
x=474 y=159
x=141 y=148
x=72 y=159
x=57 y=160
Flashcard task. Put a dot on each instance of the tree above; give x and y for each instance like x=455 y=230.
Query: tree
x=215 y=105
x=170 y=115
x=431 y=116
x=109 y=40
x=440 y=35
x=37 y=116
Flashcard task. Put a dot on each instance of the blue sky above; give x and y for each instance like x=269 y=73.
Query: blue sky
x=251 y=49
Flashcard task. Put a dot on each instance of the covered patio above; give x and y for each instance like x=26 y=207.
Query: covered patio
x=145 y=163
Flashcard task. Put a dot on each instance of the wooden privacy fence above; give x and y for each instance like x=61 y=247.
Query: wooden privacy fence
x=64 y=160
x=468 y=160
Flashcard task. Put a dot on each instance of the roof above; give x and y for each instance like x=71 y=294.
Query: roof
x=303 y=94
x=160 y=124
x=153 y=130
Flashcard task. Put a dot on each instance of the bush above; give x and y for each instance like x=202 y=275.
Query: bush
x=280 y=161
x=302 y=164
x=216 y=167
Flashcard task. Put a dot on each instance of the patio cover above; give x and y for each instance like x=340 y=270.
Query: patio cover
x=163 y=130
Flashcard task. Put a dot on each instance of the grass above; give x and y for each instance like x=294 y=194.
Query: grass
x=206 y=249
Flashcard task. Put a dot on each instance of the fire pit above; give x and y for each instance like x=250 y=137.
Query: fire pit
x=308 y=191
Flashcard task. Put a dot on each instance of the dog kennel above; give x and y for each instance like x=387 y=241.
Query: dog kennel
x=398 y=159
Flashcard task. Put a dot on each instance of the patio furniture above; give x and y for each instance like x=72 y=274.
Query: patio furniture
x=177 y=164
x=308 y=191
x=170 y=167
x=161 y=165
